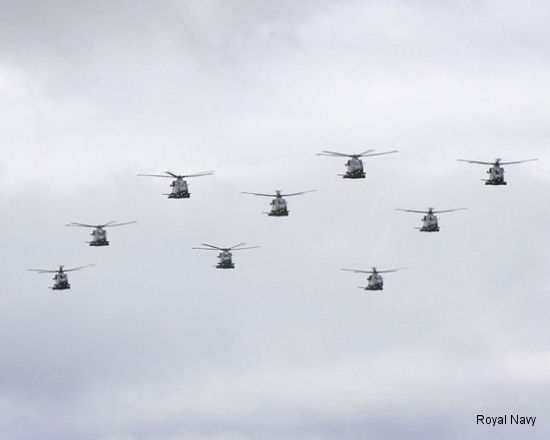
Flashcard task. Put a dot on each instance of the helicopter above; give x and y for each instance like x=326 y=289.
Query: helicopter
x=225 y=256
x=99 y=234
x=496 y=172
x=429 y=221
x=179 y=186
x=375 y=280
x=278 y=204
x=354 y=164
x=60 y=279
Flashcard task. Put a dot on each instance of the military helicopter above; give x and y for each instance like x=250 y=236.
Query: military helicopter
x=375 y=280
x=99 y=234
x=496 y=172
x=225 y=256
x=354 y=164
x=429 y=221
x=179 y=186
x=60 y=279
x=278 y=204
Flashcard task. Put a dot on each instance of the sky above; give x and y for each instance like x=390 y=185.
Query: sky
x=153 y=342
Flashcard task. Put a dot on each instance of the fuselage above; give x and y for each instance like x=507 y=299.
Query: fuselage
x=429 y=223
x=99 y=237
x=375 y=282
x=60 y=281
x=180 y=189
x=496 y=175
x=278 y=207
x=225 y=260
x=354 y=169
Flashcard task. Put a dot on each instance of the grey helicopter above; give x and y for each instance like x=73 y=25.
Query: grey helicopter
x=225 y=256
x=354 y=166
x=99 y=234
x=60 y=279
x=429 y=221
x=375 y=280
x=495 y=172
x=278 y=204
x=180 y=190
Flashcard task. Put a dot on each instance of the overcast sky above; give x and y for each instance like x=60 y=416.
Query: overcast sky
x=153 y=343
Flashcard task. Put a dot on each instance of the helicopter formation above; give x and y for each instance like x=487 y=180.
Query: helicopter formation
x=279 y=208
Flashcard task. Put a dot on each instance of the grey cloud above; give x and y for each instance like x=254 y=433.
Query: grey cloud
x=153 y=342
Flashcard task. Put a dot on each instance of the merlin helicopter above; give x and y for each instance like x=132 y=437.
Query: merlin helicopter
x=496 y=172
x=429 y=221
x=278 y=204
x=180 y=190
x=375 y=280
x=354 y=166
x=99 y=234
x=225 y=256
x=60 y=279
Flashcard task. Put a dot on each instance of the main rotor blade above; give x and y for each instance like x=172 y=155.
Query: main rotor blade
x=204 y=173
x=363 y=153
x=119 y=224
x=237 y=245
x=242 y=249
x=476 y=161
x=43 y=270
x=259 y=194
x=334 y=154
x=182 y=176
x=391 y=270
x=448 y=210
x=358 y=271
x=77 y=268
x=154 y=175
x=517 y=161
x=84 y=225
x=206 y=249
x=106 y=224
x=298 y=193
x=378 y=154
x=212 y=246
x=411 y=210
